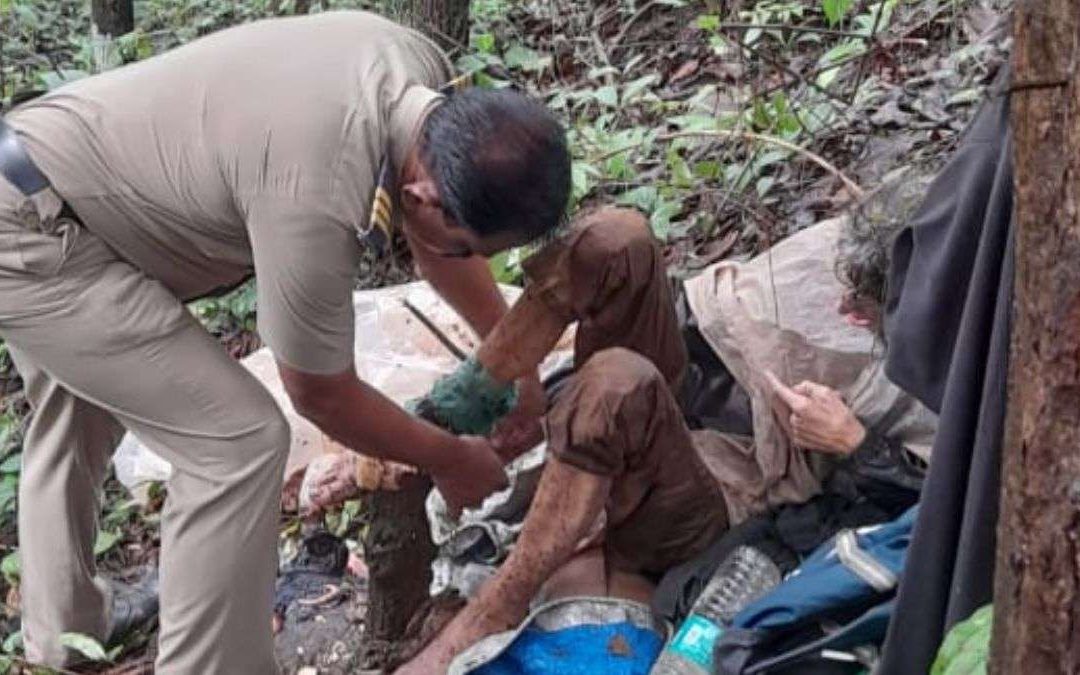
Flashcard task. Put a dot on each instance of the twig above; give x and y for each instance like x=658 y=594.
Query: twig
x=869 y=52
x=330 y=592
x=435 y=330
x=598 y=43
x=33 y=666
x=850 y=185
x=791 y=71
x=819 y=70
x=631 y=21
x=797 y=29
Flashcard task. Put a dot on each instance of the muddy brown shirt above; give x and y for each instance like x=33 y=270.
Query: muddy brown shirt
x=254 y=149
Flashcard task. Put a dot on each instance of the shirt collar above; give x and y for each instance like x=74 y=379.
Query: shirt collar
x=406 y=118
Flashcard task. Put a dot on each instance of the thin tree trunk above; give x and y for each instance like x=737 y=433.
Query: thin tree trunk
x=445 y=21
x=398 y=552
x=1037 y=589
x=113 y=17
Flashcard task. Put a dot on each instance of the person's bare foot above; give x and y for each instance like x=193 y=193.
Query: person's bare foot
x=470 y=626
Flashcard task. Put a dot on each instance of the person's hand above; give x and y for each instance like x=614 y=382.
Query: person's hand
x=471 y=471
x=521 y=430
x=816 y=417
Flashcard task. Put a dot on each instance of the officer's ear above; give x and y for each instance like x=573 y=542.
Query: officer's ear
x=421 y=194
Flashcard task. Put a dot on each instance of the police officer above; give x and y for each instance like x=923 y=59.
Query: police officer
x=257 y=150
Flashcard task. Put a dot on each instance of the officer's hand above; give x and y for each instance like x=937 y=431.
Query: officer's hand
x=521 y=429
x=817 y=418
x=473 y=471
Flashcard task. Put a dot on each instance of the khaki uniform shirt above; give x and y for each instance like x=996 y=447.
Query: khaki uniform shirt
x=255 y=149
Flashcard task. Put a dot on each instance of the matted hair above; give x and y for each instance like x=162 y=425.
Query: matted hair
x=863 y=250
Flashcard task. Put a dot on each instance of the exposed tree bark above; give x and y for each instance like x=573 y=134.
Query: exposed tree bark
x=445 y=21
x=113 y=17
x=398 y=552
x=1037 y=590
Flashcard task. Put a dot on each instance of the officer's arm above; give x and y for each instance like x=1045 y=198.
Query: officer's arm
x=466 y=469
x=360 y=417
x=467 y=285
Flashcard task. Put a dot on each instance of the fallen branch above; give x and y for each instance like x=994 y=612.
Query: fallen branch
x=851 y=186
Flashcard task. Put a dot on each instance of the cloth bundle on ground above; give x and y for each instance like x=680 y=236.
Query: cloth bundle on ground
x=571 y=636
x=471 y=547
x=788 y=535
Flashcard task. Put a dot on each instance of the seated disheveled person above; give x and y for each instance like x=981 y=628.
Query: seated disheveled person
x=621 y=454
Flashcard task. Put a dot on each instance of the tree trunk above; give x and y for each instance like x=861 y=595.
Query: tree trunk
x=445 y=21
x=398 y=552
x=113 y=17
x=1037 y=589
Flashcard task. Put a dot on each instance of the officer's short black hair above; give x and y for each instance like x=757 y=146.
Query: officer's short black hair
x=500 y=162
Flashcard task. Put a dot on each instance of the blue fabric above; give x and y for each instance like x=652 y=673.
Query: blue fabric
x=608 y=649
x=822 y=582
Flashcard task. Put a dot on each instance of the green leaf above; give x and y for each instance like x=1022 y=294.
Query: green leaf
x=52 y=80
x=485 y=43
x=835 y=10
x=660 y=219
x=695 y=122
x=643 y=198
x=607 y=96
x=582 y=179
x=5 y=5
x=709 y=22
x=106 y=540
x=619 y=167
x=471 y=63
x=764 y=184
x=85 y=645
x=966 y=649
x=681 y=175
x=11 y=568
x=144 y=47
x=525 y=59
x=13 y=643
x=602 y=72
x=709 y=170
x=9 y=491
x=6 y=663
x=12 y=464
x=633 y=90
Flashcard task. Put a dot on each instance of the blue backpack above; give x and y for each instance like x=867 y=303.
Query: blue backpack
x=830 y=615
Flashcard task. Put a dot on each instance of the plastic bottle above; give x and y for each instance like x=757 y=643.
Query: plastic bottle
x=745 y=575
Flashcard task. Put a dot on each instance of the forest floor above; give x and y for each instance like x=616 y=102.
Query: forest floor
x=731 y=124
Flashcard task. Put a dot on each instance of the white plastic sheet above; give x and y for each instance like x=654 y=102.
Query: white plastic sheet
x=395 y=353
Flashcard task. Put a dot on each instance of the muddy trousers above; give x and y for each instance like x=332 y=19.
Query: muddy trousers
x=617 y=416
x=102 y=348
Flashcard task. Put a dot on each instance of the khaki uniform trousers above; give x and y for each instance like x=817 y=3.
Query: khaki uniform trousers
x=102 y=347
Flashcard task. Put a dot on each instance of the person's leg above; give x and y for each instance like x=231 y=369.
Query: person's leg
x=66 y=455
x=124 y=344
x=607 y=273
x=618 y=446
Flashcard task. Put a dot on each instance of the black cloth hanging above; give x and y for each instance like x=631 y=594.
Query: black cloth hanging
x=947 y=320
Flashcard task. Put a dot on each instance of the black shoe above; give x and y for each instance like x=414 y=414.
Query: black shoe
x=134 y=607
